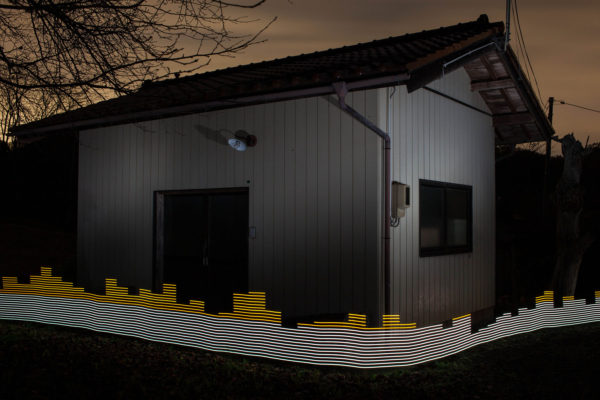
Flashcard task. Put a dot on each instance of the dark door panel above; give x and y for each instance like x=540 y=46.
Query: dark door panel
x=204 y=245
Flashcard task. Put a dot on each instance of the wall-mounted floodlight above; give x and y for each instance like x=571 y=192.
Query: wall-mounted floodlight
x=241 y=140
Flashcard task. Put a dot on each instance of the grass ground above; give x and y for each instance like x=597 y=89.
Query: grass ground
x=42 y=361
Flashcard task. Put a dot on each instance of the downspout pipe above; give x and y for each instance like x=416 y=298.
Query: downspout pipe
x=342 y=90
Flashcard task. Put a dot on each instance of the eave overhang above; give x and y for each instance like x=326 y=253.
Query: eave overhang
x=413 y=60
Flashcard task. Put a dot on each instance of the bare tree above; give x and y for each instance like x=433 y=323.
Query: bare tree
x=74 y=52
x=571 y=243
x=19 y=106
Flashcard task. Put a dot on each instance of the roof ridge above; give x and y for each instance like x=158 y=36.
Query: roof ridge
x=374 y=63
x=482 y=20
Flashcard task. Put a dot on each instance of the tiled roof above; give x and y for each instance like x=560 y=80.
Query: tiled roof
x=408 y=59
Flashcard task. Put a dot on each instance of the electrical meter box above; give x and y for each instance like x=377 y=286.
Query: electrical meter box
x=400 y=199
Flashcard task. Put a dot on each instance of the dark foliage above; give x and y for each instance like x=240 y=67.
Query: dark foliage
x=526 y=239
x=589 y=274
x=38 y=206
x=39 y=182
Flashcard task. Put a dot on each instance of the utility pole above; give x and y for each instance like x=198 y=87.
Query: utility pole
x=547 y=159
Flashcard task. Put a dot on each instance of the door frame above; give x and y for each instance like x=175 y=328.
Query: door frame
x=159 y=223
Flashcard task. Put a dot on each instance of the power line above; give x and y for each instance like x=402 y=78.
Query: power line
x=522 y=40
x=520 y=46
x=575 y=105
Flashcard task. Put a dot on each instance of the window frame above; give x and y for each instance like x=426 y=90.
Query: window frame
x=445 y=248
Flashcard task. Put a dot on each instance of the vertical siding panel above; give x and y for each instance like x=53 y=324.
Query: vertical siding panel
x=387 y=103
x=130 y=180
x=195 y=151
x=290 y=207
x=170 y=156
x=386 y=123
x=415 y=152
x=106 y=191
x=147 y=201
x=455 y=176
x=347 y=127
x=83 y=202
x=398 y=129
x=162 y=155
x=433 y=146
x=154 y=183
x=97 y=239
x=407 y=233
x=154 y=155
x=93 y=221
x=437 y=265
x=244 y=165
x=220 y=123
x=211 y=149
x=439 y=131
x=201 y=123
x=138 y=235
x=186 y=151
x=400 y=125
x=481 y=217
x=231 y=120
x=491 y=179
x=117 y=206
x=258 y=189
x=93 y=204
x=312 y=201
x=120 y=185
x=468 y=143
x=110 y=171
x=334 y=208
x=134 y=179
x=245 y=177
x=413 y=234
x=281 y=269
x=423 y=264
x=101 y=231
x=448 y=176
x=475 y=176
x=358 y=193
x=121 y=161
x=474 y=303
x=223 y=124
x=323 y=249
x=270 y=152
x=395 y=129
x=173 y=127
x=301 y=276
x=373 y=283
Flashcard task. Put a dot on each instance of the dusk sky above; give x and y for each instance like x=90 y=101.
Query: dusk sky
x=561 y=38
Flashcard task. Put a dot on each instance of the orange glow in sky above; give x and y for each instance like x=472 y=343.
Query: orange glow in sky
x=561 y=38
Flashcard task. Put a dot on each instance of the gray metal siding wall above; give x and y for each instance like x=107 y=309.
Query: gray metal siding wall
x=437 y=139
x=314 y=198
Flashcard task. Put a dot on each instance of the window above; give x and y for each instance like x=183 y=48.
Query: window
x=446 y=222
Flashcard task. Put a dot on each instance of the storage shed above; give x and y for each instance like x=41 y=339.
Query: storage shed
x=366 y=185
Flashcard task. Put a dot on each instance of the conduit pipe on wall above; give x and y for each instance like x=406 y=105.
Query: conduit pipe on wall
x=342 y=90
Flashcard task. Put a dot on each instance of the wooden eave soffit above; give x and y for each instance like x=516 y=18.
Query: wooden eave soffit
x=513 y=118
x=477 y=86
